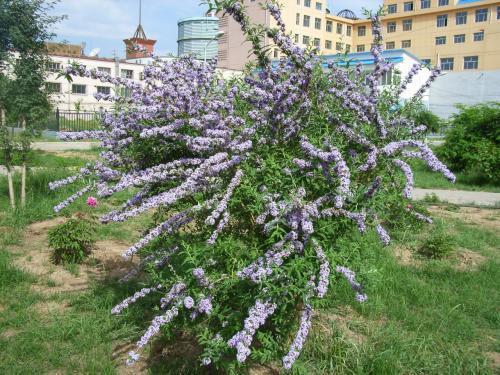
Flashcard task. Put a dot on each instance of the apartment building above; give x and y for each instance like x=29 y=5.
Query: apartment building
x=458 y=35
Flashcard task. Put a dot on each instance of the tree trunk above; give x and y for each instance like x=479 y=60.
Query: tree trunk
x=23 y=174
x=10 y=183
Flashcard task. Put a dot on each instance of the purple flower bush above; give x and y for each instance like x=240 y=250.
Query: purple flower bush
x=251 y=181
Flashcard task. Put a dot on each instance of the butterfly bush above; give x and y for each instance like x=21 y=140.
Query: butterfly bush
x=245 y=179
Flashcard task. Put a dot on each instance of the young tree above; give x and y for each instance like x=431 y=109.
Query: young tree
x=25 y=27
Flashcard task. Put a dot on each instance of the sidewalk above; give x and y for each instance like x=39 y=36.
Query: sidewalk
x=64 y=146
x=479 y=198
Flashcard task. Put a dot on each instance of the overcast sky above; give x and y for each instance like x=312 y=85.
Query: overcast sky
x=104 y=24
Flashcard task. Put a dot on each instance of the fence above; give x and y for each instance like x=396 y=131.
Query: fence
x=73 y=121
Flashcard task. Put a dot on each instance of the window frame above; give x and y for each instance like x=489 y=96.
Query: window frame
x=447 y=63
x=392 y=8
x=308 y=18
x=75 y=85
x=106 y=88
x=411 y=4
x=443 y=38
x=459 y=38
x=478 y=36
x=474 y=62
x=405 y=23
x=49 y=87
x=359 y=30
x=389 y=28
x=461 y=18
x=426 y=2
x=391 y=44
x=481 y=12
x=407 y=42
x=442 y=17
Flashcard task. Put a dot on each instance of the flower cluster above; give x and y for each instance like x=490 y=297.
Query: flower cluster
x=261 y=161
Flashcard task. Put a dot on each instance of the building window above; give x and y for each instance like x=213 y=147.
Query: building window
x=407 y=25
x=319 y=6
x=53 y=67
x=328 y=44
x=275 y=53
x=307 y=21
x=53 y=87
x=305 y=39
x=390 y=45
x=426 y=61
x=443 y=3
x=447 y=63
x=498 y=13
x=126 y=92
x=349 y=30
x=317 y=23
x=440 y=40
x=406 y=44
x=338 y=46
x=307 y=3
x=425 y=4
x=297 y=19
x=127 y=73
x=386 y=78
x=408 y=6
x=317 y=42
x=481 y=15
x=361 y=30
x=339 y=28
x=360 y=48
x=79 y=89
x=393 y=8
x=391 y=27
x=298 y=2
x=329 y=26
x=105 y=90
x=459 y=38
x=442 y=20
x=471 y=62
x=104 y=69
x=296 y=38
x=479 y=36
x=461 y=18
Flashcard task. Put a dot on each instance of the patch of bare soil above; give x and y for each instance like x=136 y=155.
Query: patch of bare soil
x=467 y=260
x=341 y=320
x=106 y=261
x=404 y=256
x=120 y=355
x=50 y=307
x=485 y=218
x=494 y=360
x=263 y=370
x=8 y=333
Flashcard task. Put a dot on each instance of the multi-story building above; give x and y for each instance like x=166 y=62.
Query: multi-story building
x=458 y=35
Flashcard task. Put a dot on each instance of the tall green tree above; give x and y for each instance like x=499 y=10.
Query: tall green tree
x=25 y=26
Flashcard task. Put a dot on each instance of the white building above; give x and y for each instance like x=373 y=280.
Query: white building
x=79 y=94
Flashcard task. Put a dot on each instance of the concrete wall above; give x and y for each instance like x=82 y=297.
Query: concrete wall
x=465 y=88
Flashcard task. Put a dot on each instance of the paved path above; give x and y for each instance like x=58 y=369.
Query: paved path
x=480 y=198
x=64 y=146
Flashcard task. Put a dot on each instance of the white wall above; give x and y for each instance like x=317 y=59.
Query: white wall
x=464 y=88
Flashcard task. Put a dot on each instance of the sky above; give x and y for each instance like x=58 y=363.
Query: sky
x=103 y=24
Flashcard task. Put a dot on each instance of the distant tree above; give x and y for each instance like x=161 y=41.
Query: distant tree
x=25 y=26
x=472 y=143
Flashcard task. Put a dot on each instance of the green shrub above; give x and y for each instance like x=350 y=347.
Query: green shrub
x=472 y=143
x=423 y=116
x=437 y=245
x=72 y=241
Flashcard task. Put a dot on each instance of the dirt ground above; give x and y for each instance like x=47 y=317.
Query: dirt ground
x=34 y=257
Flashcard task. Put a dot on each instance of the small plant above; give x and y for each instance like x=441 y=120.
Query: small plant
x=437 y=245
x=72 y=241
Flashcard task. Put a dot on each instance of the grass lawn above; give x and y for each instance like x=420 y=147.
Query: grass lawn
x=426 y=179
x=422 y=317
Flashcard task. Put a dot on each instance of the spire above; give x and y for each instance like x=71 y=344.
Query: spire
x=139 y=33
x=139 y=39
